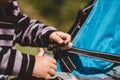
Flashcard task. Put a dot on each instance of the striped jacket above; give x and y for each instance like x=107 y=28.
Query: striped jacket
x=19 y=28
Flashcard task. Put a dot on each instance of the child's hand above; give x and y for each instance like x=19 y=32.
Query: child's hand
x=44 y=66
x=61 y=38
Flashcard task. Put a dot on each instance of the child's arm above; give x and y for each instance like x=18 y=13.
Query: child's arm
x=13 y=62
x=32 y=32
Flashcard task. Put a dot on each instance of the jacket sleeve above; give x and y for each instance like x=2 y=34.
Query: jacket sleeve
x=32 y=32
x=12 y=61
x=15 y=63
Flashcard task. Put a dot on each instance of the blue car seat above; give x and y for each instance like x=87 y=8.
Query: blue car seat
x=99 y=32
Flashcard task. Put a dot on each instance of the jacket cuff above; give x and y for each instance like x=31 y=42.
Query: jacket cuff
x=45 y=38
x=31 y=66
x=27 y=66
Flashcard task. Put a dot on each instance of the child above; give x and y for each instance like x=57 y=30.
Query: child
x=19 y=28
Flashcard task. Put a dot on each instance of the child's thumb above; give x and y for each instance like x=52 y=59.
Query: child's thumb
x=41 y=52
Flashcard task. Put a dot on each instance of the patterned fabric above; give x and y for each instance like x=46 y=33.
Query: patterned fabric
x=69 y=76
x=19 y=28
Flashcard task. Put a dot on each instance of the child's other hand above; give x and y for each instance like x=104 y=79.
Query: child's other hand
x=61 y=38
x=45 y=67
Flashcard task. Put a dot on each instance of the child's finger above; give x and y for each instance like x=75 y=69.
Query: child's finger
x=41 y=52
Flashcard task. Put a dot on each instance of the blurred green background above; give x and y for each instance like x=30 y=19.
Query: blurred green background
x=58 y=13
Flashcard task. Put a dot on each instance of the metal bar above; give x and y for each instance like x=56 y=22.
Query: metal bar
x=102 y=55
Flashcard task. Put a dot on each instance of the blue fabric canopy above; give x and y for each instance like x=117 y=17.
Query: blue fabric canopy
x=100 y=32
